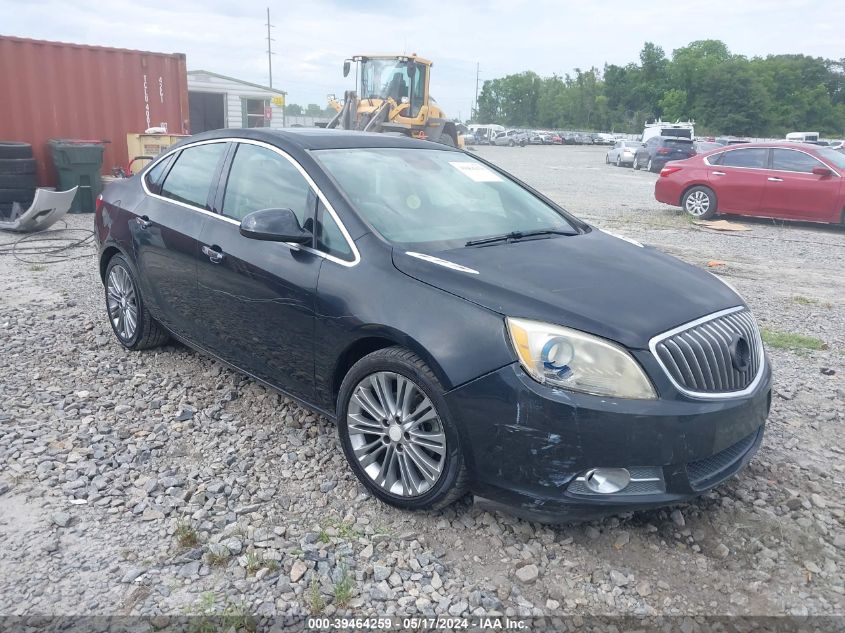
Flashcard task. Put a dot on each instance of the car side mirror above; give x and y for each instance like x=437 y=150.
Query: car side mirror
x=347 y=64
x=822 y=171
x=274 y=225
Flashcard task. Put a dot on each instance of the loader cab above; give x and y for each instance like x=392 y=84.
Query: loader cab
x=402 y=78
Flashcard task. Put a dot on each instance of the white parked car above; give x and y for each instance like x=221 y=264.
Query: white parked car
x=622 y=153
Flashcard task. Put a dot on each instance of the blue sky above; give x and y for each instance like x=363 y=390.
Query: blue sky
x=314 y=36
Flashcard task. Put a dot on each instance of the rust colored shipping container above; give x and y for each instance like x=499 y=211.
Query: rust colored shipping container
x=57 y=90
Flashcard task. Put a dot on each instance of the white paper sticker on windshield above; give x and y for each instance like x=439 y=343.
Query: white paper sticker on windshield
x=476 y=171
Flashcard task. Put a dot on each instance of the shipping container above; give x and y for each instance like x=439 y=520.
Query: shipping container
x=57 y=90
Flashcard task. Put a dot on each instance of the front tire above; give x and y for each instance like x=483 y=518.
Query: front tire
x=130 y=320
x=700 y=203
x=636 y=163
x=397 y=434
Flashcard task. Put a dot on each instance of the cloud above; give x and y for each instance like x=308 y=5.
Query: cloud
x=313 y=38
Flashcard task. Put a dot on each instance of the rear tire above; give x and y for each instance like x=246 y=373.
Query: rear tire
x=511 y=143
x=619 y=160
x=700 y=203
x=24 y=195
x=14 y=149
x=130 y=320
x=376 y=434
x=12 y=166
x=447 y=140
x=17 y=181
x=650 y=165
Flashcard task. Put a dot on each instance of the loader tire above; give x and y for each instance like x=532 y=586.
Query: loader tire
x=17 y=181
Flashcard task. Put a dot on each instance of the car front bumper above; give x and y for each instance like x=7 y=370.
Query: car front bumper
x=527 y=444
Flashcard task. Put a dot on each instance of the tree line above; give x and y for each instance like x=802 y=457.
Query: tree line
x=723 y=92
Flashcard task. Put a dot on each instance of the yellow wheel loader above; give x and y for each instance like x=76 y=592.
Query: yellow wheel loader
x=392 y=96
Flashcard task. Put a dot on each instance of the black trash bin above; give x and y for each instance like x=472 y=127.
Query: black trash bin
x=78 y=164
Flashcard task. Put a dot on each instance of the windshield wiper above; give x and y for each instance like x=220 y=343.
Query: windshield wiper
x=517 y=235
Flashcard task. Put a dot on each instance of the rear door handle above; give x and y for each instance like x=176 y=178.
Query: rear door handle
x=144 y=222
x=214 y=254
x=772 y=179
x=719 y=173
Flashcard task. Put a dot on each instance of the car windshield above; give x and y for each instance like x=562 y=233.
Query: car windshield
x=832 y=156
x=434 y=198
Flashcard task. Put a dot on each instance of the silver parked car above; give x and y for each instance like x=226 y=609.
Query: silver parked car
x=622 y=153
x=511 y=138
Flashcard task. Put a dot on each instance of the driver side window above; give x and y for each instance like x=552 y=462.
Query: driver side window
x=262 y=179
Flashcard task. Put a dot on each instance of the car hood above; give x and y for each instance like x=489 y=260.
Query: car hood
x=595 y=282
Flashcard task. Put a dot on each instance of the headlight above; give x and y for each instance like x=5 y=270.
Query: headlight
x=570 y=359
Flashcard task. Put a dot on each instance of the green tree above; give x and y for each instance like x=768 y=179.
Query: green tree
x=313 y=110
x=293 y=109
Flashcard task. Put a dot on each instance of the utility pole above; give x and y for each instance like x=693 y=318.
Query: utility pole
x=477 y=75
x=270 y=54
x=269 y=48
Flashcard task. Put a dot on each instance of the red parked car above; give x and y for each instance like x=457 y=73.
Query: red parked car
x=792 y=181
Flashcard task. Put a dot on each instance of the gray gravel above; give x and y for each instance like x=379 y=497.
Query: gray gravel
x=163 y=483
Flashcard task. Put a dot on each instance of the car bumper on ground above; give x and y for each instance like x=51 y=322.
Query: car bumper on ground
x=528 y=446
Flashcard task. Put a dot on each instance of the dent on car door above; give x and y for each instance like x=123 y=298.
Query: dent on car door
x=794 y=191
x=255 y=297
x=166 y=230
x=739 y=179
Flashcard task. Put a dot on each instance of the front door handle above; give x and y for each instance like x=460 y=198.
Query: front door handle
x=719 y=173
x=772 y=179
x=144 y=222
x=214 y=254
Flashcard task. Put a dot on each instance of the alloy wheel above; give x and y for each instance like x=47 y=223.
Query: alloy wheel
x=122 y=303
x=697 y=203
x=396 y=434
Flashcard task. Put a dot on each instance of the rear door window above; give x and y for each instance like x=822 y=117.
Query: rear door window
x=753 y=158
x=191 y=177
x=791 y=160
x=156 y=173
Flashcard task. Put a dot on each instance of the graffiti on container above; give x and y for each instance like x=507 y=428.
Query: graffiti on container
x=161 y=89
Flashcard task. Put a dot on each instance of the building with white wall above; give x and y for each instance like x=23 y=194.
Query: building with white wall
x=217 y=101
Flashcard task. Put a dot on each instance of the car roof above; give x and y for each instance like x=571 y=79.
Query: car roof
x=777 y=143
x=318 y=138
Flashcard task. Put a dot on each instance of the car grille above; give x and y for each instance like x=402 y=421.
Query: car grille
x=699 y=357
x=705 y=472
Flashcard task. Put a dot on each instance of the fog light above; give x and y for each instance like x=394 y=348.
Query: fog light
x=607 y=480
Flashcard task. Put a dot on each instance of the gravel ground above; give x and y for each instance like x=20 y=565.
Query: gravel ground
x=163 y=483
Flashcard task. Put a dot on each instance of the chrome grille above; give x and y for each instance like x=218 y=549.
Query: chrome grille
x=697 y=356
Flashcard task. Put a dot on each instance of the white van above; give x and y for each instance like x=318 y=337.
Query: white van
x=803 y=137
x=484 y=133
x=679 y=129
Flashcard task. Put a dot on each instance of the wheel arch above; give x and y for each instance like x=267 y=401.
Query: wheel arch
x=371 y=340
x=105 y=257
x=693 y=185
